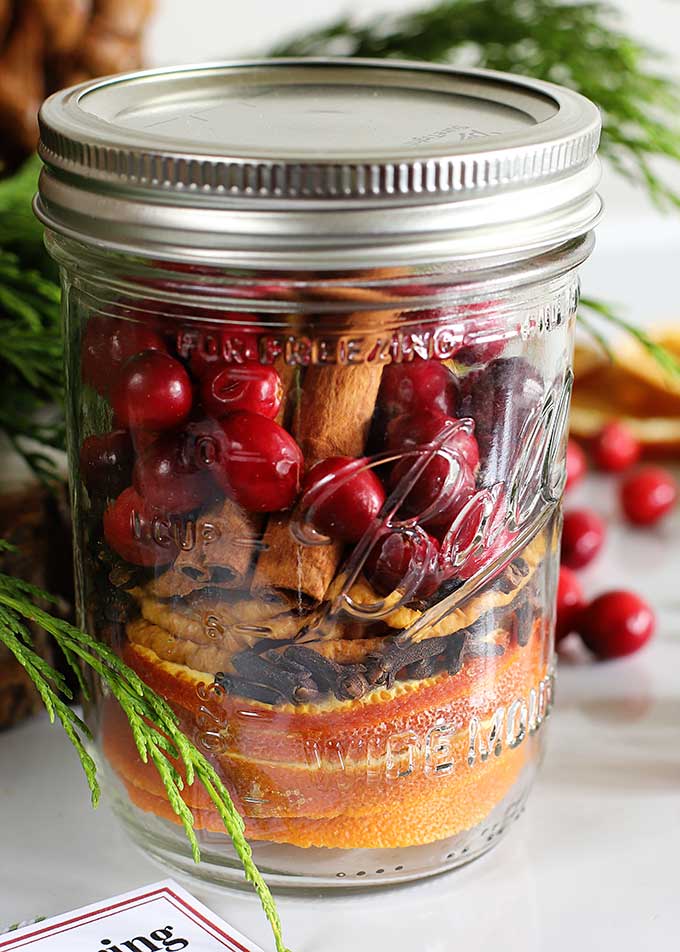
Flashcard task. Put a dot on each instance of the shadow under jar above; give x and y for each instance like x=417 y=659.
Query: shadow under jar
x=319 y=321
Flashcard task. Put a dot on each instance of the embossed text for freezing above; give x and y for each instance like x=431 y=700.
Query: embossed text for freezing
x=406 y=753
x=440 y=343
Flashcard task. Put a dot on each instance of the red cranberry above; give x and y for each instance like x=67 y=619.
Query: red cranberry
x=483 y=517
x=499 y=398
x=482 y=340
x=142 y=440
x=133 y=529
x=395 y=555
x=577 y=465
x=205 y=445
x=152 y=392
x=440 y=491
x=108 y=342
x=167 y=477
x=343 y=497
x=411 y=431
x=480 y=352
x=261 y=464
x=106 y=462
x=570 y=601
x=582 y=537
x=615 y=448
x=616 y=624
x=648 y=494
x=418 y=387
x=241 y=387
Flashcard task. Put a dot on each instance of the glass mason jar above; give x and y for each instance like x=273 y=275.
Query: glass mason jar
x=319 y=321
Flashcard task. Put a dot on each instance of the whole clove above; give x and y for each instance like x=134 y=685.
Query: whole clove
x=118 y=606
x=244 y=688
x=504 y=584
x=295 y=688
x=347 y=682
x=422 y=669
x=511 y=578
x=522 y=623
x=383 y=668
x=454 y=652
x=284 y=664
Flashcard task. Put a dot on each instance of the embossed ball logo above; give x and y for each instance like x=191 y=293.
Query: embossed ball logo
x=491 y=527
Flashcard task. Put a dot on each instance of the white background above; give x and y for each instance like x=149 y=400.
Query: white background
x=638 y=248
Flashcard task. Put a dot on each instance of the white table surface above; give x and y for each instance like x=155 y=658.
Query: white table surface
x=592 y=865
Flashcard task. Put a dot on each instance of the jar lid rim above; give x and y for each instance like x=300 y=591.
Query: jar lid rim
x=288 y=140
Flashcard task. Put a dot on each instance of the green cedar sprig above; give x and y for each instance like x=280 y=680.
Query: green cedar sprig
x=580 y=45
x=153 y=723
x=667 y=361
x=31 y=355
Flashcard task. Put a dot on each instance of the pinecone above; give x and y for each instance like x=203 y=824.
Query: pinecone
x=47 y=44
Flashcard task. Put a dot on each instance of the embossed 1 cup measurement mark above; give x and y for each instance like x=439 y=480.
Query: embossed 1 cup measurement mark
x=174 y=531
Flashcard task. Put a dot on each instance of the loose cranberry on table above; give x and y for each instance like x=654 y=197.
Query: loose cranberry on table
x=615 y=448
x=570 y=602
x=342 y=497
x=422 y=386
x=582 y=537
x=106 y=462
x=412 y=430
x=395 y=555
x=616 y=624
x=108 y=342
x=167 y=476
x=152 y=391
x=648 y=494
x=232 y=387
x=130 y=528
x=577 y=464
x=261 y=462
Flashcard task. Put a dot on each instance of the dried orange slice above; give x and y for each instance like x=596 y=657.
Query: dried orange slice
x=640 y=363
x=630 y=391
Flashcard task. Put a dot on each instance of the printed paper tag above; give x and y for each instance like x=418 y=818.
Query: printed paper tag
x=162 y=917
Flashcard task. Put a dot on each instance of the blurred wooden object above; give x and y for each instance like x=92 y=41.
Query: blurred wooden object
x=48 y=44
x=36 y=521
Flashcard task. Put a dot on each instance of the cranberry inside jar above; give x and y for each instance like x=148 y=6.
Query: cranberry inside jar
x=319 y=384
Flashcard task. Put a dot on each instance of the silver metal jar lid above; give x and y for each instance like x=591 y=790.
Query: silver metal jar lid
x=321 y=163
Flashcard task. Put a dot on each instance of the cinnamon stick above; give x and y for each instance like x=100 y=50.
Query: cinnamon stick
x=333 y=419
x=223 y=548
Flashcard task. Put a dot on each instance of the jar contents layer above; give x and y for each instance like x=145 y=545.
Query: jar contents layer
x=332 y=549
